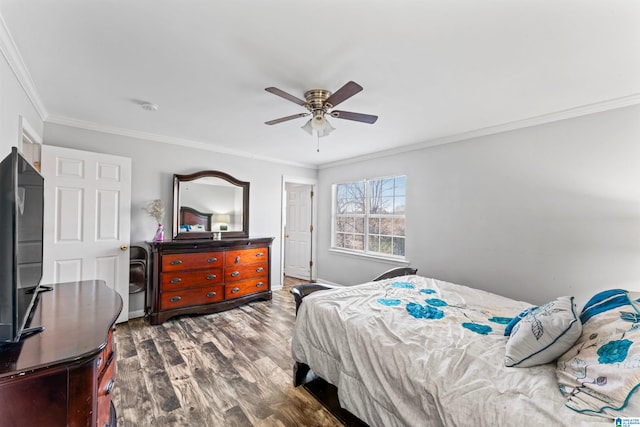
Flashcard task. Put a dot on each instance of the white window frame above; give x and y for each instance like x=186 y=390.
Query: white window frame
x=366 y=252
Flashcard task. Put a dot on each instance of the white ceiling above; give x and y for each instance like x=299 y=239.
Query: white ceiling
x=432 y=70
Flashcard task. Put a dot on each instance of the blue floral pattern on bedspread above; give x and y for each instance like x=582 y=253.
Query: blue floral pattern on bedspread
x=436 y=308
x=424 y=311
x=477 y=328
x=403 y=285
x=501 y=320
x=436 y=302
x=389 y=302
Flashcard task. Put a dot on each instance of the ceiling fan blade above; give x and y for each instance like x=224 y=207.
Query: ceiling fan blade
x=285 y=95
x=342 y=94
x=284 y=119
x=358 y=117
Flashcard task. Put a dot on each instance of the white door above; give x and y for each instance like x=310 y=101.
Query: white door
x=298 y=231
x=87 y=218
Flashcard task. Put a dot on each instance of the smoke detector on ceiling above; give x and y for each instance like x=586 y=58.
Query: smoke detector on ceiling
x=149 y=106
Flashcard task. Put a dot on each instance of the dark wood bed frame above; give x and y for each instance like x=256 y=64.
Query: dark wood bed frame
x=192 y=216
x=324 y=392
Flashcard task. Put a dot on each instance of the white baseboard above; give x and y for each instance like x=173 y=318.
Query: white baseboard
x=329 y=283
x=135 y=314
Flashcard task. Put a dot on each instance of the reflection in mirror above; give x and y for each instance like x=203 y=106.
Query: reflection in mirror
x=215 y=197
x=210 y=201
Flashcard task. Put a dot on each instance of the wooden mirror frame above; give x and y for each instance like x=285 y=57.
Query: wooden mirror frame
x=244 y=185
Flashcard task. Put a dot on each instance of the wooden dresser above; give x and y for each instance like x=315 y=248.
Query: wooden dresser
x=64 y=375
x=207 y=276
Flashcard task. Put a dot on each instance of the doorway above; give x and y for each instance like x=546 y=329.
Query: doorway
x=298 y=228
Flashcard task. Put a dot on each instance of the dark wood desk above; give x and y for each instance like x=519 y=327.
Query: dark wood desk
x=64 y=375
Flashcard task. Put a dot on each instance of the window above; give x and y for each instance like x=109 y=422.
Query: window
x=369 y=216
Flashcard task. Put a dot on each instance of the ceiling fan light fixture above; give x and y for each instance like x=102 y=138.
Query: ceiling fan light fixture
x=327 y=128
x=318 y=122
x=318 y=102
x=318 y=125
x=308 y=127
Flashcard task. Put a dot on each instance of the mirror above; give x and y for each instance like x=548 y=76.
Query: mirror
x=209 y=202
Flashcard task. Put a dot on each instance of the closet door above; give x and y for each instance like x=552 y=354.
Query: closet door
x=298 y=231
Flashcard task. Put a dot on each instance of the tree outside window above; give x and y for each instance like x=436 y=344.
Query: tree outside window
x=370 y=216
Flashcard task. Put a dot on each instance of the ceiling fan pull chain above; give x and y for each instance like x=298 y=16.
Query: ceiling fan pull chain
x=318 y=141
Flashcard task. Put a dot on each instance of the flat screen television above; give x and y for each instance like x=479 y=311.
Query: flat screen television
x=21 y=219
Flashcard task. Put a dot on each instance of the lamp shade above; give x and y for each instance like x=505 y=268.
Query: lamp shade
x=223 y=221
x=307 y=127
x=318 y=125
x=222 y=218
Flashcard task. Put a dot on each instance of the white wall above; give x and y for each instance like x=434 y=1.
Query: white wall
x=13 y=104
x=530 y=214
x=153 y=166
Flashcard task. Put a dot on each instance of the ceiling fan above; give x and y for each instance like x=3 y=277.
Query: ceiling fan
x=320 y=102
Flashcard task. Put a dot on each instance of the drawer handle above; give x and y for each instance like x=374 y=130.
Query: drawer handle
x=176 y=262
x=109 y=387
x=212 y=259
x=211 y=294
x=175 y=299
x=211 y=276
x=235 y=274
x=237 y=260
x=176 y=280
x=235 y=290
x=99 y=361
x=259 y=269
x=259 y=284
x=259 y=254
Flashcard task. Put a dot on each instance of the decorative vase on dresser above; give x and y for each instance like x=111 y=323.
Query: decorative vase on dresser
x=207 y=276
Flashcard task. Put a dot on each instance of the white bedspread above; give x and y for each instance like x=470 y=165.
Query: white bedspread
x=393 y=368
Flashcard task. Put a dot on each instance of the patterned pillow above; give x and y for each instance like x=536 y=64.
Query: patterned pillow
x=513 y=322
x=543 y=334
x=600 y=374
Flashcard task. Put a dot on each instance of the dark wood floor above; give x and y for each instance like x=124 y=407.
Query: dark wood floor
x=225 y=369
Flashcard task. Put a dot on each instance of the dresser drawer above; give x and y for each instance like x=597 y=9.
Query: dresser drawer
x=106 y=353
x=181 y=279
x=105 y=387
x=245 y=256
x=188 y=297
x=243 y=272
x=175 y=262
x=238 y=289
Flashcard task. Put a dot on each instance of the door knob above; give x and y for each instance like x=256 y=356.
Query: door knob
x=124 y=247
x=286 y=236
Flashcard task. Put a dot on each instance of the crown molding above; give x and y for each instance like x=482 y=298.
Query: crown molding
x=584 y=110
x=81 y=124
x=14 y=59
x=570 y=113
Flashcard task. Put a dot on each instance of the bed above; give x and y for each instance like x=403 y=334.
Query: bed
x=193 y=220
x=415 y=351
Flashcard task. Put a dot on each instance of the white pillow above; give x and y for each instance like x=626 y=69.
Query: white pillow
x=543 y=334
